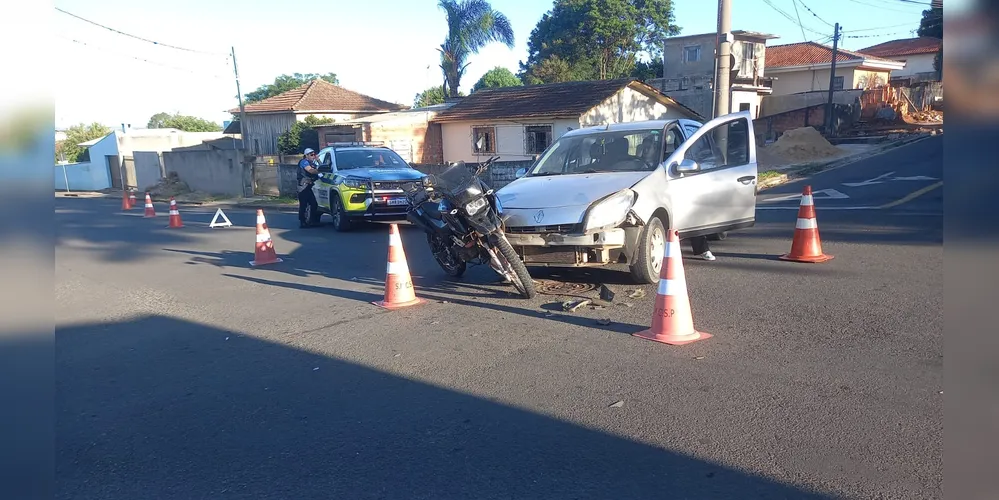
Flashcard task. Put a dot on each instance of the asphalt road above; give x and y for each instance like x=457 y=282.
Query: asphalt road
x=182 y=372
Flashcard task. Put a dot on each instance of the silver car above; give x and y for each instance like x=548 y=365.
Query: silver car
x=609 y=194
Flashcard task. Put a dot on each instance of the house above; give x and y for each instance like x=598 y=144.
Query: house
x=917 y=54
x=805 y=67
x=517 y=123
x=266 y=120
x=689 y=71
x=408 y=132
x=94 y=170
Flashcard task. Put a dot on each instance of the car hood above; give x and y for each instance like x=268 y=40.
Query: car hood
x=565 y=190
x=383 y=174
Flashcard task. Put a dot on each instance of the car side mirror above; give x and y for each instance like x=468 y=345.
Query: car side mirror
x=520 y=172
x=688 y=166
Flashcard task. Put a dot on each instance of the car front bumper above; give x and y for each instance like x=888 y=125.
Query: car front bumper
x=597 y=248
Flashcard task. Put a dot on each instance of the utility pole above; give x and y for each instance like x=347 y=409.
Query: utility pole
x=723 y=62
x=242 y=108
x=830 y=121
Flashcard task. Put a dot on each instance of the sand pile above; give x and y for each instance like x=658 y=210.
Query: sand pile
x=798 y=145
x=171 y=185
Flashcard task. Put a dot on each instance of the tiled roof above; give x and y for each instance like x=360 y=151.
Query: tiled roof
x=320 y=95
x=568 y=99
x=807 y=53
x=905 y=47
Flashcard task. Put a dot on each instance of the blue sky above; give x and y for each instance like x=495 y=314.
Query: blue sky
x=383 y=48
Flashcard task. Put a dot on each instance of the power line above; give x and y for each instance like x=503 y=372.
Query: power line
x=177 y=68
x=878 y=28
x=883 y=7
x=803 y=36
x=790 y=18
x=139 y=37
x=814 y=14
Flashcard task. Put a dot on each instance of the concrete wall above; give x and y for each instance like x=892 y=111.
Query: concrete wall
x=629 y=105
x=92 y=175
x=677 y=67
x=776 y=104
x=793 y=82
x=770 y=128
x=914 y=65
x=511 y=144
x=148 y=169
x=213 y=172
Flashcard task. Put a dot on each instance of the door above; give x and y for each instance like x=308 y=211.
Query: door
x=319 y=188
x=720 y=192
x=114 y=171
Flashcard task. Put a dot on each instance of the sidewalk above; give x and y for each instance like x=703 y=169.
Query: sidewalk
x=786 y=173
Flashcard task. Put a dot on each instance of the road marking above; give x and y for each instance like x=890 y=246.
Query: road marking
x=913 y=195
x=915 y=178
x=830 y=194
x=868 y=182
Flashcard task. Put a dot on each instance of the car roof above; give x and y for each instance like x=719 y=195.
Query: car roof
x=615 y=127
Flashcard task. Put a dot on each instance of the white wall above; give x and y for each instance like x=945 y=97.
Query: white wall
x=914 y=64
x=93 y=175
x=749 y=97
x=629 y=105
x=510 y=140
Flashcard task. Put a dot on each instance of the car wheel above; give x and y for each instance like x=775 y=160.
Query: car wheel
x=341 y=222
x=649 y=257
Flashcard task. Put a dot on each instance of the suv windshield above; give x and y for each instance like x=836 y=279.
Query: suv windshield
x=347 y=159
x=614 y=151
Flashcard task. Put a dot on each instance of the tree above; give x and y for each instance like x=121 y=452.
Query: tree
x=931 y=25
x=647 y=70
x=553 y=69
x=497 y=77
x=302 y=135
x=183 y=122
x=598 y=39
x=429 y=97
x=471 y=25
x=74 y=136
x=285 y=83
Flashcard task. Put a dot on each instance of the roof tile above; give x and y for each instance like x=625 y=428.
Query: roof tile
x=807 y=53
x=320 y=95
x=905 y=47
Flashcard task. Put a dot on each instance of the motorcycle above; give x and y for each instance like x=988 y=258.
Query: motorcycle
x=461 y=216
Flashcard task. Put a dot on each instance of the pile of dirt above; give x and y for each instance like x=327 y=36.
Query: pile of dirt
x=928 y=116
x=798 y=145
x=171 y=185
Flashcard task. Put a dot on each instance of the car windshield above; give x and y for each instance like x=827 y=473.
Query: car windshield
x=347 y=159
x=613 y=151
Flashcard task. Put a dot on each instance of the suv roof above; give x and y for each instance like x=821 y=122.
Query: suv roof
x=639 y=125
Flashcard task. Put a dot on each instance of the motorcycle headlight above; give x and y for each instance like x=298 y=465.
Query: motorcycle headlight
x=611 y=210
x=473 y=207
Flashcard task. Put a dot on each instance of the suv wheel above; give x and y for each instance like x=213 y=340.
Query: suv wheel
x=649 y=257
x=341 y=222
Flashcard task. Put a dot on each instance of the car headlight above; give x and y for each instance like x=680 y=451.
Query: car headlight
x=611 y=210
x=355 y=182
x=473 y=207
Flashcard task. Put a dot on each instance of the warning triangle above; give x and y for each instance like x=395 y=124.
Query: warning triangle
x=215 y=219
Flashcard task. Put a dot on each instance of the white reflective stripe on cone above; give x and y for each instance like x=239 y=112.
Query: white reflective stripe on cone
x=672 y=249
x=264 y=237
x=261 y=220
x=806 y=224
x=806 y=199
x=672 y=287
x=395 y=240
x=395 y=268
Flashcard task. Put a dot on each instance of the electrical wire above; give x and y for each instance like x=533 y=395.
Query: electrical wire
x=814 y=14
x=803 y=36
x=161 y=44
x=177 y=68
x=791 y=18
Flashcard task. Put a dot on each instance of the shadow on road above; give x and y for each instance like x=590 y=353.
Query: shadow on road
x=186 y=410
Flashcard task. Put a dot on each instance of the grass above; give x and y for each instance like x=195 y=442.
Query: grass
x=769 y=174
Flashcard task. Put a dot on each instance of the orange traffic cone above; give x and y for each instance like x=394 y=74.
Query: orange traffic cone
x=131 y=199
x=806 y=246
x=174 y=215
x=398 y=283
x=264 y=251
x=126 y=203
x=150 y=211
x=672 y=322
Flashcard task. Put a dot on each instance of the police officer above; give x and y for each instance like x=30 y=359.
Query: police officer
x=307 y=175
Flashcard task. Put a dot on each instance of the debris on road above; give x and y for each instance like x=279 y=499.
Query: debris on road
x=698 y=357
x=604 y=322
x=636 y=294
x=617 y=404
x=574 y=305
x=606 y=293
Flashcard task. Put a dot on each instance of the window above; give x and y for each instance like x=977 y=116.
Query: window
x=483 y=140
x=324 y=160
x=725 y=145
x=743 y=106
x=673 y=140
x=351 y=158
x=748 y=60
x=616 y=151
x=538 y=138
x=692 y=53
x=838 y=83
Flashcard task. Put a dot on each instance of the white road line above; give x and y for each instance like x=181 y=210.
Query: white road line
x=818 y=208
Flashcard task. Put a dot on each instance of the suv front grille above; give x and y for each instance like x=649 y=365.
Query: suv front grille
x=388 y=185
x=559 y=229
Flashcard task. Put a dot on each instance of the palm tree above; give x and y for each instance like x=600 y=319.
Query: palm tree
x=471 y=24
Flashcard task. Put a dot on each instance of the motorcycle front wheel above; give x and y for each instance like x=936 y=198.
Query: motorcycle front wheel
x=446 y=256
x=521 y=278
